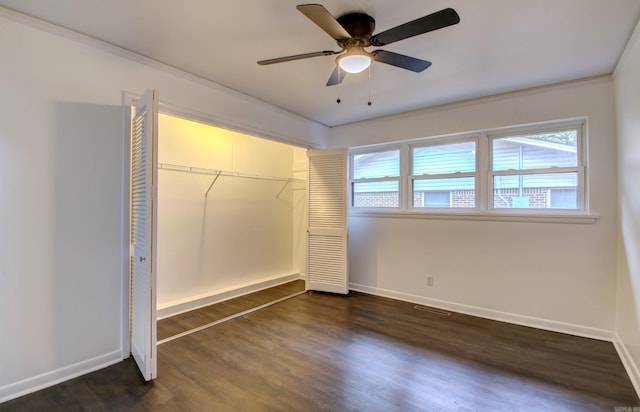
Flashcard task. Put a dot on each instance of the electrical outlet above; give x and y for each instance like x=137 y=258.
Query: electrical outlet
x=429 y=280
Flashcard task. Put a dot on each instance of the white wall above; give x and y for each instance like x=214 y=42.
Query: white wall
x=557 y=276
x=241 y=233
x=62 y=163
x=627 y=89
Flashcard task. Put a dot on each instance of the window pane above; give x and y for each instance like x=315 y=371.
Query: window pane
x=375 y=194
x=376 y=165
x=538 y=151
x=536 y=191
x=564 y=199
x=436 y=199
x=458 y=192
x=444 y=159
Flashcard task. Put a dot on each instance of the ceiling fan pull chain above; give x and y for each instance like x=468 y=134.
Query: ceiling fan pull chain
x=369 y=103
x=339 y=81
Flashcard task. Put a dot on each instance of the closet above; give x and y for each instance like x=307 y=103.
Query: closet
x=231 y=214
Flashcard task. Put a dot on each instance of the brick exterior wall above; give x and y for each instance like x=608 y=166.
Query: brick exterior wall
x=502 y=198
x=538 y=197
x=376 y=199
x=463 y=198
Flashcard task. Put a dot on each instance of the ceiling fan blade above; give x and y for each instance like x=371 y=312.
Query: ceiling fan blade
x=320 y=16
x=297 y=57
x=336 y=77
x=400 y=60
x=434 y=21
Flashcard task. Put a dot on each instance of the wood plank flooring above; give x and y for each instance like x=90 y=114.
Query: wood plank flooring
x=357 y=353
x=189 y=320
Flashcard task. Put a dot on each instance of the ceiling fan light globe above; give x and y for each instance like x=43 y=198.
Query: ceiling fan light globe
x=354 y=63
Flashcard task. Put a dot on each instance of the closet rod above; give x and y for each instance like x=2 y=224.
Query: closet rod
x=213 y=172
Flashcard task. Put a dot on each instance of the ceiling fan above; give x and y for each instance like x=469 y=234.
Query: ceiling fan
x=354 y=32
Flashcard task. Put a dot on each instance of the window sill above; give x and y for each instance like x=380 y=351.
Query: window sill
x=570 y=218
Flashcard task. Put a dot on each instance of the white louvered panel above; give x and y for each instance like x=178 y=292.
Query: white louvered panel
x=327 y=260
x=139 y=281
x=327 y=191
x=143 y=313
x=327 y=226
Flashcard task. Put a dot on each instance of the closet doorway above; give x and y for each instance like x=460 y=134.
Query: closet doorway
x=222 y=214
x=231 y=214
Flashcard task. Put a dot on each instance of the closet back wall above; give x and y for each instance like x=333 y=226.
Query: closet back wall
x=241 y=233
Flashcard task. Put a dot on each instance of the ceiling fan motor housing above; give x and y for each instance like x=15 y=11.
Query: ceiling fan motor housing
x=358 y=25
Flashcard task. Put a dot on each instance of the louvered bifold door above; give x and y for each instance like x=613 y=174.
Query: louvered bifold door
x=327 y=225
x=144 y=173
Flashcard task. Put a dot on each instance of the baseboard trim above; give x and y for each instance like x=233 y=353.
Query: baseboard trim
x=629 y=365
x=45 y=380
x=195 y=302
x=550 y=325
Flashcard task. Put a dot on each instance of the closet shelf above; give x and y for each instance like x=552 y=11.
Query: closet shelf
x=218 y=173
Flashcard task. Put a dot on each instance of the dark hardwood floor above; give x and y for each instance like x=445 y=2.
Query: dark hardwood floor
x=189 y=320
x=357 y=353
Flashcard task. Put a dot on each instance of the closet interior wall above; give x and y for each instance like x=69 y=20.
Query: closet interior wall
x=222 y=236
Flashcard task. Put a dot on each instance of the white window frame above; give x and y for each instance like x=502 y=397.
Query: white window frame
x=353 y=182
x=579 y=169
x=484 y=209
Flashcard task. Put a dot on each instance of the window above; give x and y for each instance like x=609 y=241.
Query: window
x=376 y=179
x=531 y=170
x=444 y=175
x=535 y=171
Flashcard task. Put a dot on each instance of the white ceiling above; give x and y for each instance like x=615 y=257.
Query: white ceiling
x=499 y=46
